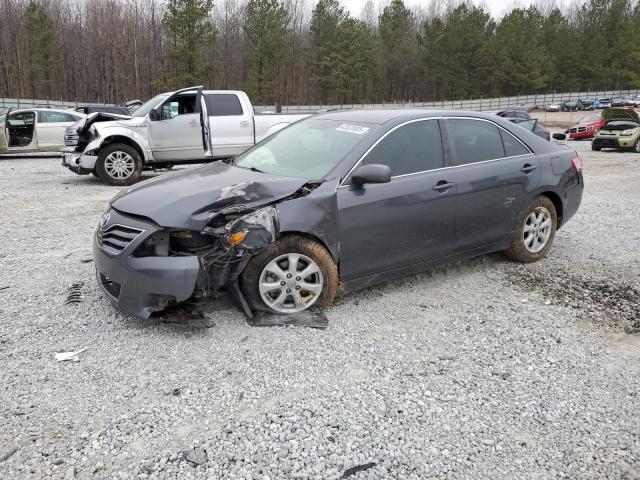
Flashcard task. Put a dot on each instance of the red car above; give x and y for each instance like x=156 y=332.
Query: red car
x=586 y=127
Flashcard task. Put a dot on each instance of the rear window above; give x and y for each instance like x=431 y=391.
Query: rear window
x=223 y=105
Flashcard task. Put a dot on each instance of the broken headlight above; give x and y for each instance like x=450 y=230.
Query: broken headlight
x=164 y=243
x=251 y=231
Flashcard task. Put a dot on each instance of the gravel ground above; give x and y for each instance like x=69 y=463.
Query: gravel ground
x=484 y=369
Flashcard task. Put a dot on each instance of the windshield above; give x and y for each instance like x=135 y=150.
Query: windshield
x=309 y=149
x=149 y=105
x=590 y=118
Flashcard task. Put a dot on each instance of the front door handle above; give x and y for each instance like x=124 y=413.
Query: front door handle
x=528 y=168
x=443 y=186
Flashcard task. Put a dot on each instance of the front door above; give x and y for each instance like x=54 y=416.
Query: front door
x=20 y=131
x=176 y=134
x=406 y=221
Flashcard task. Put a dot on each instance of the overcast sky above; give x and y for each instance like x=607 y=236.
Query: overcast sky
x=497 y=7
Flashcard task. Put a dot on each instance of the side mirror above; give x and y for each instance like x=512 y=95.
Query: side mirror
x=154 y=115
x=559 y=136
x=374 y=173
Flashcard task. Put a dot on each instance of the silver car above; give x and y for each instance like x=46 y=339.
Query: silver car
x=29 y=130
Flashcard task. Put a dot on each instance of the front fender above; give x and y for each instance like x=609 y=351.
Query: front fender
x=138 y=137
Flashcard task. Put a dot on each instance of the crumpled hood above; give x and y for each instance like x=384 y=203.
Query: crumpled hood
x=191 y=198
x=104 y=119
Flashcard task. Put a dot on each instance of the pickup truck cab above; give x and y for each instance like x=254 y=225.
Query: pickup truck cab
x=167 y=130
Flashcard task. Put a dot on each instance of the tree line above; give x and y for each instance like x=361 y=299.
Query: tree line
x=313 y=51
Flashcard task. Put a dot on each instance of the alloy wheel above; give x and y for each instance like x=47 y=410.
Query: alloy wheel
x=119 y=165
x=291 y=283
x=537 y=229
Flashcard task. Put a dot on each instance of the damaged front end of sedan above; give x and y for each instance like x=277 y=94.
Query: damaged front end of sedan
x=149 y=264
x=222 y=248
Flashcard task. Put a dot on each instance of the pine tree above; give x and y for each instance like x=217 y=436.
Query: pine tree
x=190 y=31
x=265 y=34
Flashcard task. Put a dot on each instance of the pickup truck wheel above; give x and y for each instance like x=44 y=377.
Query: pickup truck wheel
x=536 y=230
x=290 y=276
x=119 y=164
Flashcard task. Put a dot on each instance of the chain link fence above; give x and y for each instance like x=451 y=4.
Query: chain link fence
x=474 y=104
x=32 y=103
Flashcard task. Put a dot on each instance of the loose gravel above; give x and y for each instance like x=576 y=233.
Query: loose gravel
x=483 y=369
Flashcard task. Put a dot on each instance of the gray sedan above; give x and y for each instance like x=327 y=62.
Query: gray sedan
x=335 y=203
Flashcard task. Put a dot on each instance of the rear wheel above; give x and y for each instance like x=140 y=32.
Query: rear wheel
x=536 y=230
x=290 y=276
x=119 y=164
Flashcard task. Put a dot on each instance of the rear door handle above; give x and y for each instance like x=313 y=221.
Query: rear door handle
x=528 y=168
x=443 y=186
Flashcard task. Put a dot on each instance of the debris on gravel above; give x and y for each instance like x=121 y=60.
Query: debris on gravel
x=481 y=369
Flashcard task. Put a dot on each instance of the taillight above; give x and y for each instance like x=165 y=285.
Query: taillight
x=577 y=164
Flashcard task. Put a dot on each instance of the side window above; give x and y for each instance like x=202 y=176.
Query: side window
x=512 y=146
x=415 y=147
x=181 y=105
x=53 y=117
x=475 y=140
x=223 y=104
x=21 y=119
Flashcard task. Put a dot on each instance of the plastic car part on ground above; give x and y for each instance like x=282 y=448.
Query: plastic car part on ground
x=64 y=356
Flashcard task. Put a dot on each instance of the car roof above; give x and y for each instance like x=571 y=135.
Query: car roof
x=45 y=109
x=382 y=116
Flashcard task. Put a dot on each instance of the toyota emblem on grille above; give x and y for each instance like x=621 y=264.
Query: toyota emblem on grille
x=105 y=219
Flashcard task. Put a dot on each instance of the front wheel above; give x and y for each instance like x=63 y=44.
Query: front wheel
x=119 y=164
x=536 y=230
x=290 y=276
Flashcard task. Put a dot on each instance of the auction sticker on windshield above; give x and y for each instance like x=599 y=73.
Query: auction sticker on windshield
x=357 y=129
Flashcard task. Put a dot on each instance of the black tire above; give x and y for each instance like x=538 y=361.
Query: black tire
x=95 y=173
x=250 y=277
x=126 y=150
x=594 y=147
x=518 y=251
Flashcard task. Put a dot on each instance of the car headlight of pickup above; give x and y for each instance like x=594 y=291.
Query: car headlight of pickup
x=626 y=133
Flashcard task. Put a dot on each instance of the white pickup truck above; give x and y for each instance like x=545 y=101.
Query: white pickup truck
x=191 y=125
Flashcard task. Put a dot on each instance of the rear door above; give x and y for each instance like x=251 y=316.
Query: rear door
x=231 y=124
x=494 y=172
x=51 y=126
x=176 y=133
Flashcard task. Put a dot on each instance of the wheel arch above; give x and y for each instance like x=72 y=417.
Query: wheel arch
x=315 y=238
x=125 y=140
x=557 y=203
